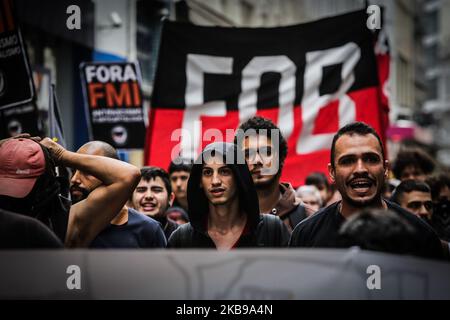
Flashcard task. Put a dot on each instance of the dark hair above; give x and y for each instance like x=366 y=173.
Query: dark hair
x=258 y=123
x=437 y=183
x=180 y=210
x=180 y=164
x=412 y=157
x=379 y=230
x=149 y=173
x=408 y=186
x=317 y=179
x=359 y=128
x=233 y=158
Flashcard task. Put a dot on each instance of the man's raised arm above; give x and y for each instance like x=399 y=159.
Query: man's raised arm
x=91 y=215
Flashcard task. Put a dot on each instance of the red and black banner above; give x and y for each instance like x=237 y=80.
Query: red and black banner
x=114 y=103
x=382 y=53
x=16 y=84
x=310 y=79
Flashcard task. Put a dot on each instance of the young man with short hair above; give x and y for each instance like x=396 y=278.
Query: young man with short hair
x=413 y=164
x=265 y=159
x=179 y=171
x=153 y=196
x=414 y=196
x=440 y=195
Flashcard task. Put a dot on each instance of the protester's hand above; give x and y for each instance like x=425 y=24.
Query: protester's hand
x=22 y=135
x=55 y=149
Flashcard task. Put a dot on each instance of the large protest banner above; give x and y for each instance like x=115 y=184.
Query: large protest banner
x=382 y=54
x=16 y=85
x=310 y=79
x=113 y=102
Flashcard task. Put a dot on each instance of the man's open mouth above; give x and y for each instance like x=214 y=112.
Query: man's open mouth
x=361 y=185
x=149 y=206
x=217 y=191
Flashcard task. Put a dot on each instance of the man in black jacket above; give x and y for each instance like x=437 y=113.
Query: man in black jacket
x=223 y=205
x=359 y=169
x=21 y=232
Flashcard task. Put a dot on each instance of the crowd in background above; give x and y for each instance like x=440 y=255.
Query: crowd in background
x=400 y=206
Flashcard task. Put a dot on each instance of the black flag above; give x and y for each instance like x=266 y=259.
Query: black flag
x=54 y=119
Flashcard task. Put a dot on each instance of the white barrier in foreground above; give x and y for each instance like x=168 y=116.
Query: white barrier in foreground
x=242 y=274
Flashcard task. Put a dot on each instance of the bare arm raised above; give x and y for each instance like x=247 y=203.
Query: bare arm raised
x=91 y=215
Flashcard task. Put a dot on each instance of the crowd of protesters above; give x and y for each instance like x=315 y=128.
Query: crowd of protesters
x=231 y=196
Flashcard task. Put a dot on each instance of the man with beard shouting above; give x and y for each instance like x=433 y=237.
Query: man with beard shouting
x=359 y=169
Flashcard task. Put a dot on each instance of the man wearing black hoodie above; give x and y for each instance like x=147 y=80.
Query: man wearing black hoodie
x=223 y=205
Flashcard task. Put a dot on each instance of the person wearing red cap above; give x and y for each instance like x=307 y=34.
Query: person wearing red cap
x=22 y=163
x=25 y=165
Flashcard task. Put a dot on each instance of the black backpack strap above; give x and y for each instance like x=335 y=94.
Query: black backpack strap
x=297 y=215
x=270 y=221
x=271 y=229
x=272 y=236
x=275 y=233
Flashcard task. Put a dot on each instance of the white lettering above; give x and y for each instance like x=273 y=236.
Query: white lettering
x=251 y=81
x=349 y=55
x=112 y=73
x=74 y=20
x=196 y=66
x=374 y=280
x=128 y=74
x=90 y=73
x=193 y=310
x=73 y=281
x=374 y=20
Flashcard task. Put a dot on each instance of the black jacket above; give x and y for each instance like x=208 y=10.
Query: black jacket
x=322 y=230
x=195 y=233
x=21 y=232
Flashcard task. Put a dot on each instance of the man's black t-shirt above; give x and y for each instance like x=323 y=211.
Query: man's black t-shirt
x=21 y=232
x=139 y=231
x=322 y=230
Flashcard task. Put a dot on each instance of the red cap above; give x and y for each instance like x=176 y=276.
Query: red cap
x=22 y=161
